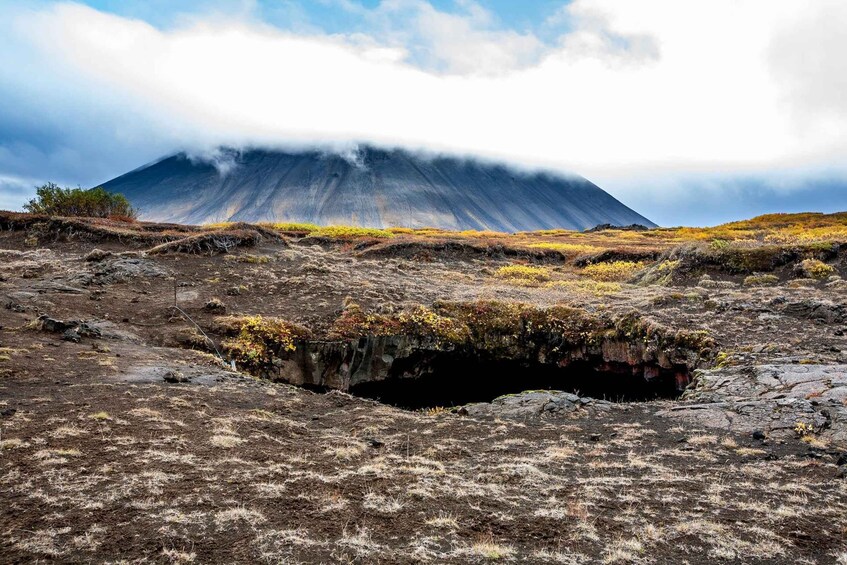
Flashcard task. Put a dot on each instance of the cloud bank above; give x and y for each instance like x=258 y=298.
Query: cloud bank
x=641 y=97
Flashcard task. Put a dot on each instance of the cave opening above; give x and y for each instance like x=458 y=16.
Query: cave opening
x=449 y=380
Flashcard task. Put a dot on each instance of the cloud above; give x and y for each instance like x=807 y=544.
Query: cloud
x=627 y=93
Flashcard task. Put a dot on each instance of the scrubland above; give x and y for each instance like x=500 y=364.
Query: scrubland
x=125 y=439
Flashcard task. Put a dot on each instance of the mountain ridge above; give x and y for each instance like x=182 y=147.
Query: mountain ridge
x=372 y=188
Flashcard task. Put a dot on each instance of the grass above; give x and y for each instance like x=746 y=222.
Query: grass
x=588 y=286
x=351 y=232
x=613 y=271
x=523 y=274
x=251 y=259
x=225 y=441
x=491 y=550
x=761 y=280
x=291 y=226
x=568 y=248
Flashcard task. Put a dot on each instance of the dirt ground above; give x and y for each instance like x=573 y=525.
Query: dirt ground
x=103 y=460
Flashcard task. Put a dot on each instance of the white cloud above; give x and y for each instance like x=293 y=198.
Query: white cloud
x=634 y=90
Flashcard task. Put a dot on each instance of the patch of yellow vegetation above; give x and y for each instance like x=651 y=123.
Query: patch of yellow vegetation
x=218 y=225
x=249 y=258
x=569 y=248
x=260 y=339
x=524 y=273
x=612 y=271
x=774 y=228
x=816 y=269
x=291 y=226
x=351 y=232
x=587 y=286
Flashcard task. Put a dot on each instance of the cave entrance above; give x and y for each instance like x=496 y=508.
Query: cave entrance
x=448 y=380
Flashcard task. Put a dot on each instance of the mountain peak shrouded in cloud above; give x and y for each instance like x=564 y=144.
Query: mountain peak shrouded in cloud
x=652 y=100
x=365 y=186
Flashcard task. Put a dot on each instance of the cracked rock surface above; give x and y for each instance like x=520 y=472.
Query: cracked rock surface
x=771 y=398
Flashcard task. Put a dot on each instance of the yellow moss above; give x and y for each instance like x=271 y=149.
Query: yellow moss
x=347 y=232
x=524 y=273
x=291 y=226
x=423 y=321
x=597 y=288
x=612 y=271
x=668 y=265
x=817 y=269
x=217 y=225
x=260 y=339
x=476 y=233
x=574 y=248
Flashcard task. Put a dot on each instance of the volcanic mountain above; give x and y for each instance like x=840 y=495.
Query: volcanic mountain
x=371 y=187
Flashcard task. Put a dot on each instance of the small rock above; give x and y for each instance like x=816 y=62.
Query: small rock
x=174 y=376
x=216 y=306
x=759 y=435
x=85 y=330
x=71 y=335
x=48 y=324
x=97 y=255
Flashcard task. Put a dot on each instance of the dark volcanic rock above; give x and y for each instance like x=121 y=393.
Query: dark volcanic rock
x=377 y=188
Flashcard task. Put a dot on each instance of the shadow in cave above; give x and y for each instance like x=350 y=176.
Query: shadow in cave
x=449 y=381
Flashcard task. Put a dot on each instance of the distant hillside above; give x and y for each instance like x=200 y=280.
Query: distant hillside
x=378 y=188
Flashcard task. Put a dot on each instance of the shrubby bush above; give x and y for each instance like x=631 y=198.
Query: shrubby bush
x=54 y=200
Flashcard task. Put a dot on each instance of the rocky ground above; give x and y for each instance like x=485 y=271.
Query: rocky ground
x=120 y=443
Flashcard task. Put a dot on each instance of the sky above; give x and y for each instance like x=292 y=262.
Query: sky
x=693 y=112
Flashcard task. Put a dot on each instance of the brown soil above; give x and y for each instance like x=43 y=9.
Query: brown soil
x=102 y=460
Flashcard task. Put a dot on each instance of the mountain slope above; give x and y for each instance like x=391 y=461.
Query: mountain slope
x=378 y=188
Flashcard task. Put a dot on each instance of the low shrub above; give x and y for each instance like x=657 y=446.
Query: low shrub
x=815 y=269
x=52 y=200
x=260 y=340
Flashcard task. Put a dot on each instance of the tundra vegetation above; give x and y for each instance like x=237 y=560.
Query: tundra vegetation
x=126 y=436
x=53 y=200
